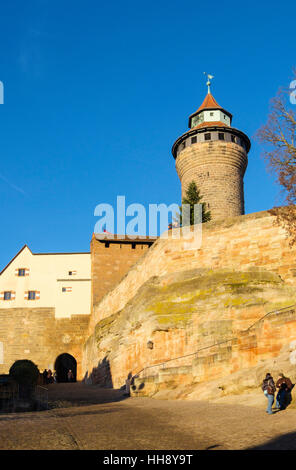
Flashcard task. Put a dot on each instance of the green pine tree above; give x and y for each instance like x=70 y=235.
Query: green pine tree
x=193 y=197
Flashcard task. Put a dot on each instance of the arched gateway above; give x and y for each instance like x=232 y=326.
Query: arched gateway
x=63 y=364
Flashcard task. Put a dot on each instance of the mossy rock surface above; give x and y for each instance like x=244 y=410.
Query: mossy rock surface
x=204 y=303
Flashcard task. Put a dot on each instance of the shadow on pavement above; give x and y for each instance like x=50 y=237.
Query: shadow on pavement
x=285 y=442
x=66 y=395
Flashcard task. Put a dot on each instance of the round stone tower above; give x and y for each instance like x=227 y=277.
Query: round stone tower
x=215 y=156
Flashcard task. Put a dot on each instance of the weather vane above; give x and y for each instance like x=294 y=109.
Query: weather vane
x=209 y=81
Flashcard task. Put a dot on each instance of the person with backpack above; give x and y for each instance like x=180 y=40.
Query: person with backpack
x=285 y=386
x=269 y=389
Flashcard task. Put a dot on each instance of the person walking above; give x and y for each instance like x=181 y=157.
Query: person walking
x=284 y=386
x=269 y=389
x=70 y=376
x=49 y=377
x=44 y=375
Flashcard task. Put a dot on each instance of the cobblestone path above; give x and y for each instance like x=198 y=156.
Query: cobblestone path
x=87 y=417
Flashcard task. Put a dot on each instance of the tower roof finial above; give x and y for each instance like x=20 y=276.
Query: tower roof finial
x=209 y=77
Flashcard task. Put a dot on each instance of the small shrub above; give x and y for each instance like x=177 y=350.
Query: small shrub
x=24 y=372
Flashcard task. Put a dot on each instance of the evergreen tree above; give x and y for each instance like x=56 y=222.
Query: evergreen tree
x=193 y=197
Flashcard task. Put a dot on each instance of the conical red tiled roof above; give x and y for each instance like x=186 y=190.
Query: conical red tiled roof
x=209 y=102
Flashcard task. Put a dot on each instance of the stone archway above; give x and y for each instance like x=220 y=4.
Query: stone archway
x=63 y=363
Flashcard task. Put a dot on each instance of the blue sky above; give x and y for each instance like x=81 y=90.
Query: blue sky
x=97 y=92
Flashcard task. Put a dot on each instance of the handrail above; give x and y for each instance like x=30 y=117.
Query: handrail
x=214 y=344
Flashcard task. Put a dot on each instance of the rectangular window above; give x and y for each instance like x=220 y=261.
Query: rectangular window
x=211 y=114
x=193 y=140
x=72 y=273
x=233 y=138
x=66 y=289
x=183 y=145
x=220 y=135
x=31 y=295
x=7 y=295
x=208 y=136
x=21 y=272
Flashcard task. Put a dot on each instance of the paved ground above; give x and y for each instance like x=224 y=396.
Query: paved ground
x=88 y=417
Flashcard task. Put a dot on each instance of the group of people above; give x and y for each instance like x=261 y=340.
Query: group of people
x=49 y=377
x=283 y=387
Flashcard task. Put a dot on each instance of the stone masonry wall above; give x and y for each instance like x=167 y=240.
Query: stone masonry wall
x=109 y=263
x=37 y=335
x=218 y=169
x=237 y=243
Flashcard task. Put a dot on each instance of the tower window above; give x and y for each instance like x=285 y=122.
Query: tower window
x=7 y=295
x=233 y=138
x=183 y=145
x=21 y=272
x=193 y=140
x=208 y=136
x=212 y=114
x=220 y=135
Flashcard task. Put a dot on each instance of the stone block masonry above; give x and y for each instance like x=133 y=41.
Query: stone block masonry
x=238 y=243
x=111 y=259
x=252 y=247
x=218 y=170
x=37 y=335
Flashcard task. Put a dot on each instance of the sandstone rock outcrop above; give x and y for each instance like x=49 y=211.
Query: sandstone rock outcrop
x=180 y=319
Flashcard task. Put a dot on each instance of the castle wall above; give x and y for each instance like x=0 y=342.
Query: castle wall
x=35 y=334
x=218 y=169
x=110 y=261
x=237 y=243
x=121 y=326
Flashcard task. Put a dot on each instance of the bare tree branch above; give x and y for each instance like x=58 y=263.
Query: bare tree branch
x=278 y=137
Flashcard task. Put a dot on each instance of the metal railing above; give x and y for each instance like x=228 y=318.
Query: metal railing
x=161 y=365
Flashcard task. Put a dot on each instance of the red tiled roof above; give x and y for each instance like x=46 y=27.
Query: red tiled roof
x=209 y=102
